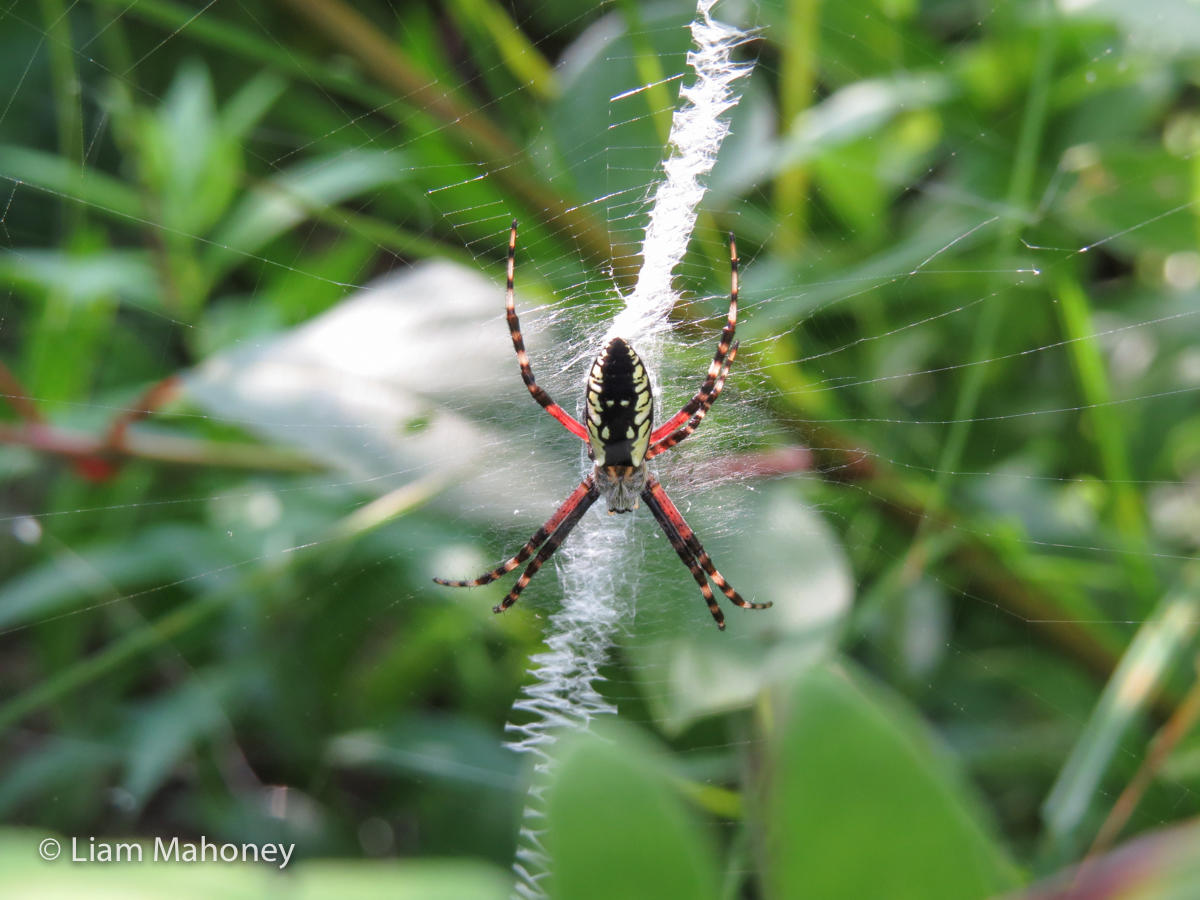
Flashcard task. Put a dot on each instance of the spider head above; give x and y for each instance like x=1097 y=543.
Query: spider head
x=621 y=486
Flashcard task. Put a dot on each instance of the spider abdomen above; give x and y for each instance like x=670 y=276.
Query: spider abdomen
x=619 y=407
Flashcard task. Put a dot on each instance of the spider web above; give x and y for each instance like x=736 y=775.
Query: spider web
x=401 y=386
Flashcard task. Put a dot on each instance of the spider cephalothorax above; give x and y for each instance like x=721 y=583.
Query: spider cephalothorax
x=621 y=439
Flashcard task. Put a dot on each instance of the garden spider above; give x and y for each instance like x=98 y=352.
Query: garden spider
x=620 y=441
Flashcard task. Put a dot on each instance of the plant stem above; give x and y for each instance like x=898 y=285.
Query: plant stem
x=157 y=446
x=476 y=134
x=797 y=79
x=1107 y=433
x=992 y=315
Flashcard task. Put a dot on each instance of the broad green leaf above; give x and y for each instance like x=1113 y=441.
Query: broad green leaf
x=441 y=747
x=787 y=555
x=616 y=826
x=603 y=123
x=859 y=802
x=247 y=107
x=1157 y=217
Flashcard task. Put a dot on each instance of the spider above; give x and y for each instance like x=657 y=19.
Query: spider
x=620 y=441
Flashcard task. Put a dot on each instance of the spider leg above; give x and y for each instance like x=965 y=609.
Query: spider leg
x=514 y=328
x=680 y=434
x=714 y=368
x=654 y=491
x=569 y=521
x=685 y=554
x=577 y=496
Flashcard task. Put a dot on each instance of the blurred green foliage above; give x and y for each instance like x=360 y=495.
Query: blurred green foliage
x=970 y=232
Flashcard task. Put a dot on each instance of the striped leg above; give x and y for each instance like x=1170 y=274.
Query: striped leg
x=514 y=327
x=685 y=554
x=655 y=490
x=714 y=369
x=586 y=487
x=680 y=434
x=560 y=533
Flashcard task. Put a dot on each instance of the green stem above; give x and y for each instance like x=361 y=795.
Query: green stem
x=1144 y=669
x=492 y=21
x=649 y=70
x=65 y=85
x=478 y=137
x=992 y=316
x=1107 y=431
x=797 y=80
x=157 y=446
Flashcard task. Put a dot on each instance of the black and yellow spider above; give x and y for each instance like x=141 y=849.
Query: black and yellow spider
x=620 y=441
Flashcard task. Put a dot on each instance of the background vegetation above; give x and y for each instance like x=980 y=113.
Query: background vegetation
x=210 y=625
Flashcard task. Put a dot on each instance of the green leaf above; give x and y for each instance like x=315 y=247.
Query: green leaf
x=492 y=26
x=1147 y=663
x=616 y=827
x=287 y=199
x=1156 y=218
x=595 y=71
x=459 y=751
x=860 y=803
x=688 y=669
x=60 y=765
x=168 y=727
x=186 y=156
x=443 y=425
x=83 y=278
x=70 y=183
x=247 y=107
x=864 y=109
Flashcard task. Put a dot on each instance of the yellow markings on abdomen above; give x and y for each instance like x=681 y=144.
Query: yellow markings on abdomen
x=619 y=406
